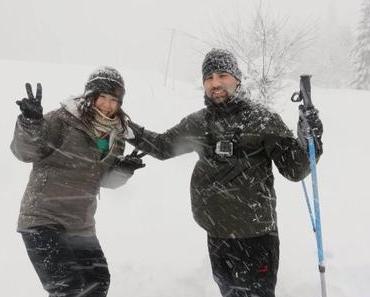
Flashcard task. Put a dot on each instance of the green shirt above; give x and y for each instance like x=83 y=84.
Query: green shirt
x=103 y=145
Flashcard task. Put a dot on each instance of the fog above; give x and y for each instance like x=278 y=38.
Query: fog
x=137 y=33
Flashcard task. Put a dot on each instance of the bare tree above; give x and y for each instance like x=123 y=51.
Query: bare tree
x=266 y=48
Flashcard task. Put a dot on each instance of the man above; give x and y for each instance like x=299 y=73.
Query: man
x=232 y=190
x=75 y=150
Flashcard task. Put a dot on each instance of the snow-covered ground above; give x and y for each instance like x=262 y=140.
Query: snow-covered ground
x=153 y=246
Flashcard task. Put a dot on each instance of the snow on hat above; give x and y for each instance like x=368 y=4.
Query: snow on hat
x=105 y=80
x=220 y=60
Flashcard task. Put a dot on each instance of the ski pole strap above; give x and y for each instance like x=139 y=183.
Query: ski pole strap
x=307 y=198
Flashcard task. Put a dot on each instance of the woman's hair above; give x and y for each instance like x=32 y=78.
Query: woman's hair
x=88 y=113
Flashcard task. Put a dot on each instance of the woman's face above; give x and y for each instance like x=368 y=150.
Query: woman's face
x=107 y=105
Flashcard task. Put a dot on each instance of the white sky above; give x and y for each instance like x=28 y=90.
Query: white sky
x=135 y=23
x=136 y=33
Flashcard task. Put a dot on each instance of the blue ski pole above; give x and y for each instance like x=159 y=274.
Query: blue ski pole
x=316 y=203
x=305 y=95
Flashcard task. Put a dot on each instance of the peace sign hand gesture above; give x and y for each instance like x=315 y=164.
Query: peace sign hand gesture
x=31 y=106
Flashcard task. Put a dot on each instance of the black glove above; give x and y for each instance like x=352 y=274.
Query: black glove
x=131 y=162
x=31 y=107
x=309 y=125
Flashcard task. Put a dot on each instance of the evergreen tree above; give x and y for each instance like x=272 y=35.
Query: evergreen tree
x=361 y=52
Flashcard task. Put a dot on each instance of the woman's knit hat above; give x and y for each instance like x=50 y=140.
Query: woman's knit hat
x=105 y=80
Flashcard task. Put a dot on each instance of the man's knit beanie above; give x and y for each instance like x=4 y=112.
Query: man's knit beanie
x=220 y=60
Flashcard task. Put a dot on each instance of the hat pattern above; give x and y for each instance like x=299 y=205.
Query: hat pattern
x=105 y=80
x=220 y=60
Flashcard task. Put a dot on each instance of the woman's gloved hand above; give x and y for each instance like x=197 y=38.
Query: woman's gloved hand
x=131 y=162
x=31 y=106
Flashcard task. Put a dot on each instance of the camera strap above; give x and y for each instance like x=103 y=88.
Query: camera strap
x=236 y=167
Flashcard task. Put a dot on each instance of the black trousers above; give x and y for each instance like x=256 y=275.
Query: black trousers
x=68 y=266
x=245 y=267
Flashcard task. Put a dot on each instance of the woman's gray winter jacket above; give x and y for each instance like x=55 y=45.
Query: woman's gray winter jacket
x=67 y=170
x=232 y=196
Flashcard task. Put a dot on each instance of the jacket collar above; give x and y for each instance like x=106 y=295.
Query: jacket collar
x=71 y=105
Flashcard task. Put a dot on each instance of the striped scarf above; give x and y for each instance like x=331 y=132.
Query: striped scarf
x=104 y=126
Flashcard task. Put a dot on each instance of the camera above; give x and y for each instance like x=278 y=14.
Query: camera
x=224 y=148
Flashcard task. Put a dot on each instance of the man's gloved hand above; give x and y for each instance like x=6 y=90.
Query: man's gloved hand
x=31 y=106
x=309 y=124
x=131 y=162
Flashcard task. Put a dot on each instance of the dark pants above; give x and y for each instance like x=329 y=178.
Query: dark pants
x=68 y=266
x=245 y=267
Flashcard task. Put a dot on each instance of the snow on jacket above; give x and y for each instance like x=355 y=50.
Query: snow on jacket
x=67 y=170
x=232 y=196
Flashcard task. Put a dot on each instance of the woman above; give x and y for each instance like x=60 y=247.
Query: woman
x=75 y=150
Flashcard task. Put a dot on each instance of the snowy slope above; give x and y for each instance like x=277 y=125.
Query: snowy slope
x=153 y=246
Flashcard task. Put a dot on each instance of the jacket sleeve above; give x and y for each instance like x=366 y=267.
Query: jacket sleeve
x=115 y=178
x=34 y=140
x=289 y=156
x=178 y=140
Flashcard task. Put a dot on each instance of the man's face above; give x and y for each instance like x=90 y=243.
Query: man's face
x=220 y=86
x=107 y=104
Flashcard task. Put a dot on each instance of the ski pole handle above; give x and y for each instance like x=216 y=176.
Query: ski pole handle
x=304 y=92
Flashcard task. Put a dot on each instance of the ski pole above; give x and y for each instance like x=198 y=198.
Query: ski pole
x=305 y=95
x=315 y=191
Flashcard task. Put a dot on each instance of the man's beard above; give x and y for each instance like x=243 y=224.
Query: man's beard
x=220 y=94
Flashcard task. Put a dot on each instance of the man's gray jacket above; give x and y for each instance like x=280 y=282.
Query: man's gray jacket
x=232 y=196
